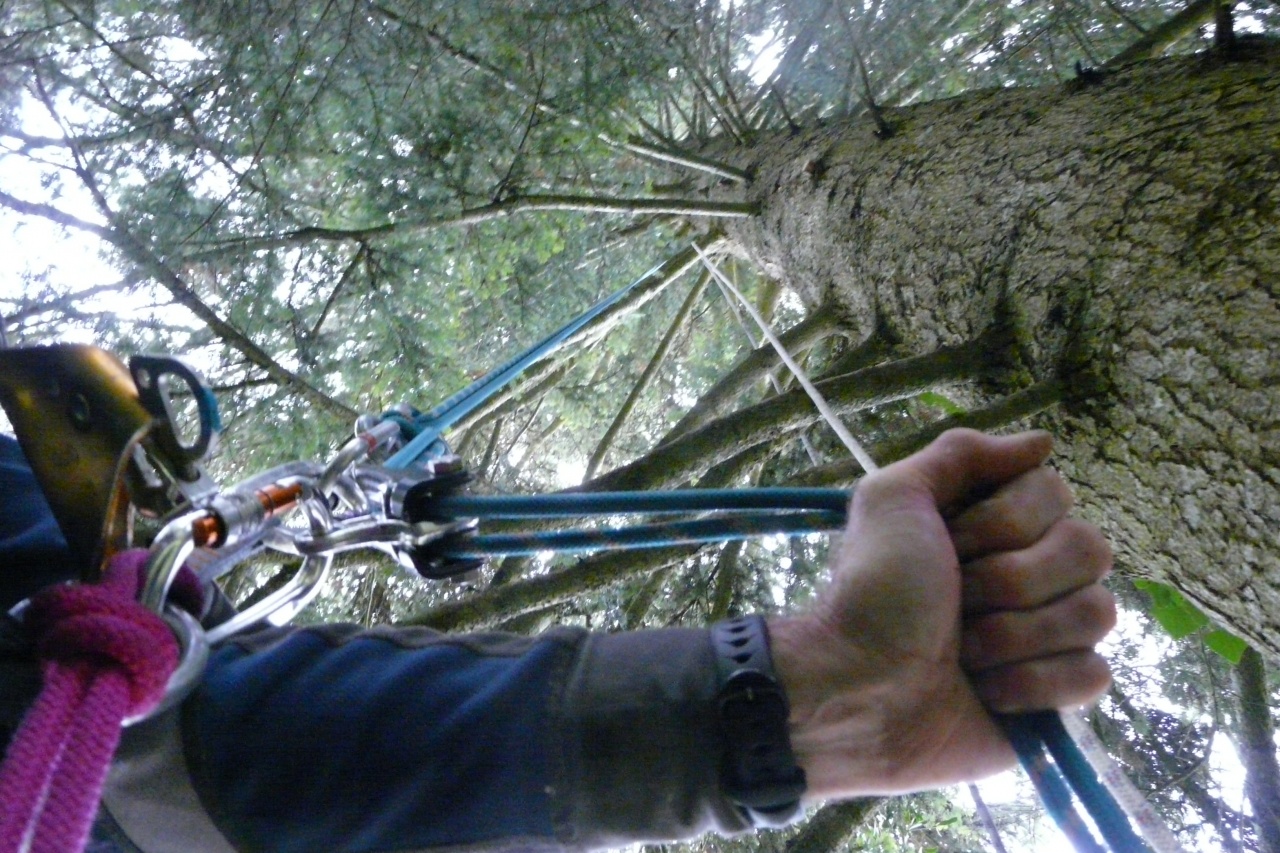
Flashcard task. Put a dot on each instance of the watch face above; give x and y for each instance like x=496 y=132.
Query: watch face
x=754 y=683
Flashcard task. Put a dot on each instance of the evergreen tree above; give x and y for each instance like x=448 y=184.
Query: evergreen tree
x=992 y=214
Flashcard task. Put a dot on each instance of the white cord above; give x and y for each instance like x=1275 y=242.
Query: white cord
x=828 y=414
x=814 y=456
x=1140 y=812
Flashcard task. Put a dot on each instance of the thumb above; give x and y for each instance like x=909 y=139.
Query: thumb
x=964 y=465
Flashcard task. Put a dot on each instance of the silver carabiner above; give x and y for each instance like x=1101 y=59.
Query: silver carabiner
x=193 y=648
x=283 y=604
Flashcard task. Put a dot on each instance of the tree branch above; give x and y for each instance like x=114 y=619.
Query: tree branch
x=501 y=209
x=809 y=331
x=1006 y=410
x=633 y=144
x=54 y=215
x=830 y=827
x=1258 y=749
x=140 y=253
x=651 y=369
x=589 y=575
x=1159 y=38
x=715 y=442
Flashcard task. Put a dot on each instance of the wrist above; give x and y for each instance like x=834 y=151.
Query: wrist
x=841 y=709
x=758 y=770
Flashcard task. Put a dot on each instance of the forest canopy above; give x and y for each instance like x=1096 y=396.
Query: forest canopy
x=954 y=212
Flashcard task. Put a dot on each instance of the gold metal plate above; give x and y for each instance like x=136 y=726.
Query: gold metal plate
x=76 y=413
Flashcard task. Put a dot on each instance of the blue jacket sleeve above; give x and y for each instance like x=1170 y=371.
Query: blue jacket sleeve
x=389 y=739
x=374 y=741
x=33 y=552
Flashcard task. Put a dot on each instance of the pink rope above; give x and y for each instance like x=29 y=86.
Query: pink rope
x=104 y=657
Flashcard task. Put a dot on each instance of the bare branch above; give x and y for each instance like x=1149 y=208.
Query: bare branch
x=715 y=442
x=53 y=214
x=651 y=369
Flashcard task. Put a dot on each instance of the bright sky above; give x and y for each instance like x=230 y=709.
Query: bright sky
x=65 y=260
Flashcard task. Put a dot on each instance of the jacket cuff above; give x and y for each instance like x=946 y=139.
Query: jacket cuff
x=642 y=742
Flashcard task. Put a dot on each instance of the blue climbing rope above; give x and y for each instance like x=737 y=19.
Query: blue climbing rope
x=569 y=504
x=740 y=513
x=427 y=428
x=699 y=531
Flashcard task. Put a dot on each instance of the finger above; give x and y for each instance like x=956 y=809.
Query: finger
x=1071 y=555
x=1015 y=516
x=1074 y=622
x=1067 y=680
x=962 y=463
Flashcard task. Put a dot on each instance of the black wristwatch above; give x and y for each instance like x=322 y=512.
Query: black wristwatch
x=758 y=772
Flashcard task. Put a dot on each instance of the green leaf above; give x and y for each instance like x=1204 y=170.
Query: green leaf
x=1178 y=617
x=1229 y=646
x=938 y=401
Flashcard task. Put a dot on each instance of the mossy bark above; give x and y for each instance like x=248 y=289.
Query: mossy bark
x=1128 y=227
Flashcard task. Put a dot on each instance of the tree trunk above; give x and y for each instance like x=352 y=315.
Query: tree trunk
x=1128 y=225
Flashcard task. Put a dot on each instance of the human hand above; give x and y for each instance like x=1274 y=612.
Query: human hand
x=961 y=589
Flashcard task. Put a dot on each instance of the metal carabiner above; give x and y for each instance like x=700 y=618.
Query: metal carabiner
x=193 y=648
x=283 y=604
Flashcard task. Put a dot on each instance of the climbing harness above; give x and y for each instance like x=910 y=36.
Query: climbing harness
x=394 y=487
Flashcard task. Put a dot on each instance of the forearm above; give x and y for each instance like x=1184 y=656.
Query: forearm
x=570 y=741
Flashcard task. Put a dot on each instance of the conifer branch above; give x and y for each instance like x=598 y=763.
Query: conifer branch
x=1156 y=40
x=633 y=144
x=137 y=251
x=498 y=210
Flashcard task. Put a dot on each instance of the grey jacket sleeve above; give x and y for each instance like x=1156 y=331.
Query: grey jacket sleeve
x=565 y=741
x=641 y=742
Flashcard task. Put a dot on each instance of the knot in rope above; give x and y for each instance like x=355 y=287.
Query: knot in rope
x=105 y=657
x=93 y=630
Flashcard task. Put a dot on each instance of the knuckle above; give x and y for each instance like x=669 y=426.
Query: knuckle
x=1093 y=612
x=1010 y=581
x=1062 y=492
x=1094 y=549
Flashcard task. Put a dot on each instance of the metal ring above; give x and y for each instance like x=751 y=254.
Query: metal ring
x=168 y=552
x=194 y=650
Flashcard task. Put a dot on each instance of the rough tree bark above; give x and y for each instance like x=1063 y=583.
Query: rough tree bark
x=1126 y=224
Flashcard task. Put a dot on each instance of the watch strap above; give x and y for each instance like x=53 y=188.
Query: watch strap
x=758 y=771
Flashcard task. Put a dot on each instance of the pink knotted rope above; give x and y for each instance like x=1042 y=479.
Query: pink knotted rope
x=104 y=657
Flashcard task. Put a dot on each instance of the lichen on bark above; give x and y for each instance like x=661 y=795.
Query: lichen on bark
x=1129 y=230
